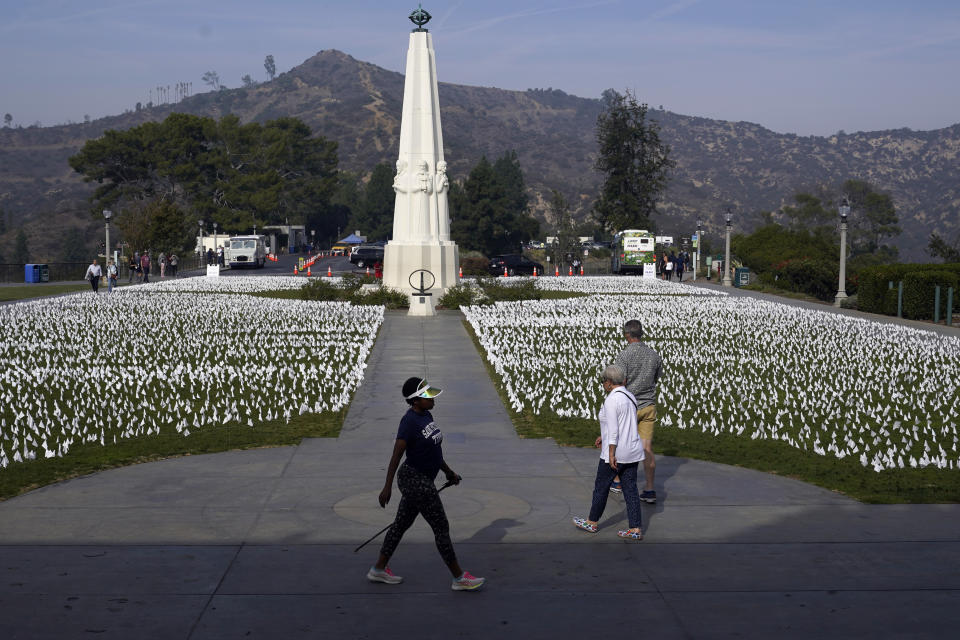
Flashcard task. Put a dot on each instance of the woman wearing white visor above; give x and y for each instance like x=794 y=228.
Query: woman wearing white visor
x=420 y=439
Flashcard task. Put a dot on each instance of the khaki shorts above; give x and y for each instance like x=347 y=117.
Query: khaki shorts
x=646 y=417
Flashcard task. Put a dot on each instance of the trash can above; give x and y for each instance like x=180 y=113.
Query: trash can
x=741 y=277
x=36 y=273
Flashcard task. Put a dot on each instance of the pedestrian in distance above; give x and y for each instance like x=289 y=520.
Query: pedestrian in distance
x=680 y=265
x=93 y=275
x=134 y=266
x=145 y=267
x=643 y=368
x=419 y=438
x=174 y=262
x=111 y=276
x=621 y=452
x=162 y=261
x=209 y=256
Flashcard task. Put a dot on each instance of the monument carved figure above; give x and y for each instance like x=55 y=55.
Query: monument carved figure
x=443 y=212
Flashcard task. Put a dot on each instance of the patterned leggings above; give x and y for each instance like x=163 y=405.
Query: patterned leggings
x=420 y=496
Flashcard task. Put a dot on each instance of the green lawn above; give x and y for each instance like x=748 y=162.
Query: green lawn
x=846 y=476
x=84 y=459
x=21 y=292
x=90 y=458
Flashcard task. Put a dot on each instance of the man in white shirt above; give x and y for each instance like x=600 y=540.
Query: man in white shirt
x=93 y=275
x=621 y=452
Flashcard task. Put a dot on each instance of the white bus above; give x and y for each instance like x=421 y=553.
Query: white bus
x=631 y=250
x=246 y=251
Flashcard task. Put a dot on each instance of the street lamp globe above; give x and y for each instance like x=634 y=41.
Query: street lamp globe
x=844 y=210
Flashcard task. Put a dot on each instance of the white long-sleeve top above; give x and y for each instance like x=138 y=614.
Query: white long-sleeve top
x=618 y=425
x=93 y=271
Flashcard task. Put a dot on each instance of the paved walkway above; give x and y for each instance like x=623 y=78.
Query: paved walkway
x=259 y=544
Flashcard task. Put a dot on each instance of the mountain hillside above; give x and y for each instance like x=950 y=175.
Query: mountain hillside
x=719 y=163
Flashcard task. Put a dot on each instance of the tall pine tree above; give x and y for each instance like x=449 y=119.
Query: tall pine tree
x=634 y=161
x=374 y=217
x=489 y=213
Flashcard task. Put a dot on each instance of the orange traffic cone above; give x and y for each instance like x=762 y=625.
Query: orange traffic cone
x=461 y=271
x=581 y=269
x=505 y=274
x=534 y=272
x=368 y=270
x=329 y=272
x=294 y=270
x=570 y=270
x=556 y=272
x=309 y=274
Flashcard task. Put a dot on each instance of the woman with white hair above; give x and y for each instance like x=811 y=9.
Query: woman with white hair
x=621 y=452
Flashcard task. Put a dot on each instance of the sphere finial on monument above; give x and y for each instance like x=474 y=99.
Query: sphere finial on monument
x=419 y=17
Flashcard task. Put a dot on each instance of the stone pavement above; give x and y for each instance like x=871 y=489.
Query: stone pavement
x=259 y=544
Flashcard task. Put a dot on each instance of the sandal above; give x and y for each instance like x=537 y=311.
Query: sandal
x=583 y=525
x=631 y=535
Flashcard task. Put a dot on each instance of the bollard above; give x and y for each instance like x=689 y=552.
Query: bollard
x=900 y=299
x=936 y=305
x=949 y=306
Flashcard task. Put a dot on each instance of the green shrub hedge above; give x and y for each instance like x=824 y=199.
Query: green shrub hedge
x=919 y=283
x=815 y=277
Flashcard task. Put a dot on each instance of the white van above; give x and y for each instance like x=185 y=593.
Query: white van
x=246 y=251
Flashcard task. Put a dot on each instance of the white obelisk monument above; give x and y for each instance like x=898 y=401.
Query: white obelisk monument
x=420 y=256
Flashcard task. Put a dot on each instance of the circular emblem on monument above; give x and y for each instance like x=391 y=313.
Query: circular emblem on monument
x=420 y=17
x=422 y=280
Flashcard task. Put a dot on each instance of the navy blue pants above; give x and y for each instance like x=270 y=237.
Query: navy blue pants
x=628 y=482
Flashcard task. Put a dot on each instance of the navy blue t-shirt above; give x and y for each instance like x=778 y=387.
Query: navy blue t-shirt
x=424 y=439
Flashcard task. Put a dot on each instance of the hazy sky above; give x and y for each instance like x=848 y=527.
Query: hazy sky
x=806 y=67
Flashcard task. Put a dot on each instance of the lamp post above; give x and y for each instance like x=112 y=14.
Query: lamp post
x=727 y=280
x=696 y=263
x=107 y=214
x=313 y=240
x=201 y=244
x=842 y=287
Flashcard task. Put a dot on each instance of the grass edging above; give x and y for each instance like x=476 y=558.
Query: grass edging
x=846 y=476
x=83 y=460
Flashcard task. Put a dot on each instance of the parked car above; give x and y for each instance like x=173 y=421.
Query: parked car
x=364 y=256
x=515 y=264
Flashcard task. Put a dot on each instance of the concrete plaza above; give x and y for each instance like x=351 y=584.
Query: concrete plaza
x=259 y=544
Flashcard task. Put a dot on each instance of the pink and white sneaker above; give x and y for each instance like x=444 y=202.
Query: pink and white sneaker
x=386 y=576
x=467 y=582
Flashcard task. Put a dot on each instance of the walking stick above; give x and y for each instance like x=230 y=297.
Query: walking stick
x=377 y=534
